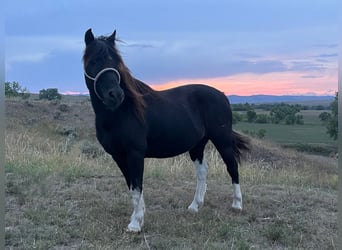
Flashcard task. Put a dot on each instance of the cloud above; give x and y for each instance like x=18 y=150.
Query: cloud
x=312 y=76
x=139 y=45
x=306 y=66
x=37 y=48
x=328 y=55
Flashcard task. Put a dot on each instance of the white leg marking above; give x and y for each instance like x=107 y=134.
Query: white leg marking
x=137 y=218
x=237 y=197
x=201 y=173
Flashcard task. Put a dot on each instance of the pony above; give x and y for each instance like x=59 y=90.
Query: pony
x=134 y=122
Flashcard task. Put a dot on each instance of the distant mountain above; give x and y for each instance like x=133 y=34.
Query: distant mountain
x=234 y=99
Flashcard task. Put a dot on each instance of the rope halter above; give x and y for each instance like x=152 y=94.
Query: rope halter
x=98 y=76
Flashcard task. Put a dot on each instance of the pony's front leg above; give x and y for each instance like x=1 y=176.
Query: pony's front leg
x=135 y=171
x=137 y=217
x=201 y=173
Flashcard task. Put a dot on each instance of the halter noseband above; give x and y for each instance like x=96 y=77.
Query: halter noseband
x=98 y=76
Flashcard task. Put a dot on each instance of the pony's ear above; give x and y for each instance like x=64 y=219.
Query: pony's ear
x=111 y=38
x=88 y=37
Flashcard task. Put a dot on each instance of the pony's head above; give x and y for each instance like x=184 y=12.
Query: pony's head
x=102 y=64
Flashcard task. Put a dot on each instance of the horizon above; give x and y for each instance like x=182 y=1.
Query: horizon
x=241 y=48
x=304 y=95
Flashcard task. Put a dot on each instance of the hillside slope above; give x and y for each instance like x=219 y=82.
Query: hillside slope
x=62 y=195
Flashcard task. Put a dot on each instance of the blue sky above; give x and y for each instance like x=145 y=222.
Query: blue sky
x=240 y=47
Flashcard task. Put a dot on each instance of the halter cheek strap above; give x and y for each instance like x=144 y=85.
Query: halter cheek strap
x=98 y=76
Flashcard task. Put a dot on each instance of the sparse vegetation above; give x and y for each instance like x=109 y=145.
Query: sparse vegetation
x=71 y=199
x=91 y=150
x=332 y=120
x=50 y=94
x=14 y=89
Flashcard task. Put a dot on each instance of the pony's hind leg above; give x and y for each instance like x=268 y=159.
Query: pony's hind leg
x=201 y=168
x=227 y=154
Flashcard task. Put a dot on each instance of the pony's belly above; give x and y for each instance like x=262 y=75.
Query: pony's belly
x=163 y=153
x=170 y=148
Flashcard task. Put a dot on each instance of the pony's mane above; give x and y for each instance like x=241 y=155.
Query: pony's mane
x=134 y=89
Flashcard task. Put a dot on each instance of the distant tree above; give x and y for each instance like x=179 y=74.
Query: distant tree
x=241 y=107
x=324 y=116
x=262 y=118
x=50 y=94
x=319 y=107
x=261 y=133
x=299 y=120
x=13 y=89
x=287 y=113
x=237 y=117
x=332 y=125
x=251 y=115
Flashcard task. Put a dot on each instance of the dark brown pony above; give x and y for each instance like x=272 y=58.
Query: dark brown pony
x=134 y=122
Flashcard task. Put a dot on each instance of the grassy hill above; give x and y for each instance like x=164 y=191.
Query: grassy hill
x=64 y=192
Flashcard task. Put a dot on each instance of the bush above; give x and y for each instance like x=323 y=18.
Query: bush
x=262 y=118
x=285 y=112
x=13 y=89
x=91 y=150
x=64 y=108
x=332 y=126
x=251 y=115
x=324 y=117
x=260 y=134
x=66 y=131
x=237 y=117
x=50 y=94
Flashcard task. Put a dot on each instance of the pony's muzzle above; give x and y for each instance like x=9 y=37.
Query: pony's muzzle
x=114 y=98
x=116 y=94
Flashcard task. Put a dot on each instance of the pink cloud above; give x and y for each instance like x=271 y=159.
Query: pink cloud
x=279 y=83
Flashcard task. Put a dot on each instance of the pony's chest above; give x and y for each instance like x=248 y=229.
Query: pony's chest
x=108 y=136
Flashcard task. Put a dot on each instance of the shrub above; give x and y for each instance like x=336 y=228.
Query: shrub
x=251 y=115
x=332 y=126
x=50 y=94
x=91 y=150
x=64 y=108
x=66 y=131
x=262 y=118
x=237 y=117
x=324 y=116
x=13 y=89
x=260 y=134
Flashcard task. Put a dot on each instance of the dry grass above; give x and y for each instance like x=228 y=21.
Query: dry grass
x=58 y=199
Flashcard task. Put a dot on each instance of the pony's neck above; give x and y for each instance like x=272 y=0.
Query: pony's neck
x=143 y=88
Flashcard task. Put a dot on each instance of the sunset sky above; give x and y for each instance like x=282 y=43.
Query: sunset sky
x=282 y=47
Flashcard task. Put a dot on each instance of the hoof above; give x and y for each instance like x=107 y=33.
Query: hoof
x=237 y=207
x=133 y=228
x=193 y=208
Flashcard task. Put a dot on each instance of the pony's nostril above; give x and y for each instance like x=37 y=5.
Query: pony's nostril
x=111 y=94
x=116 y=94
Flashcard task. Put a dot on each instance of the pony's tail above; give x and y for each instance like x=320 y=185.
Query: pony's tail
x=240 y=143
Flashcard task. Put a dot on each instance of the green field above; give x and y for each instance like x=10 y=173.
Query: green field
x=312 y=132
